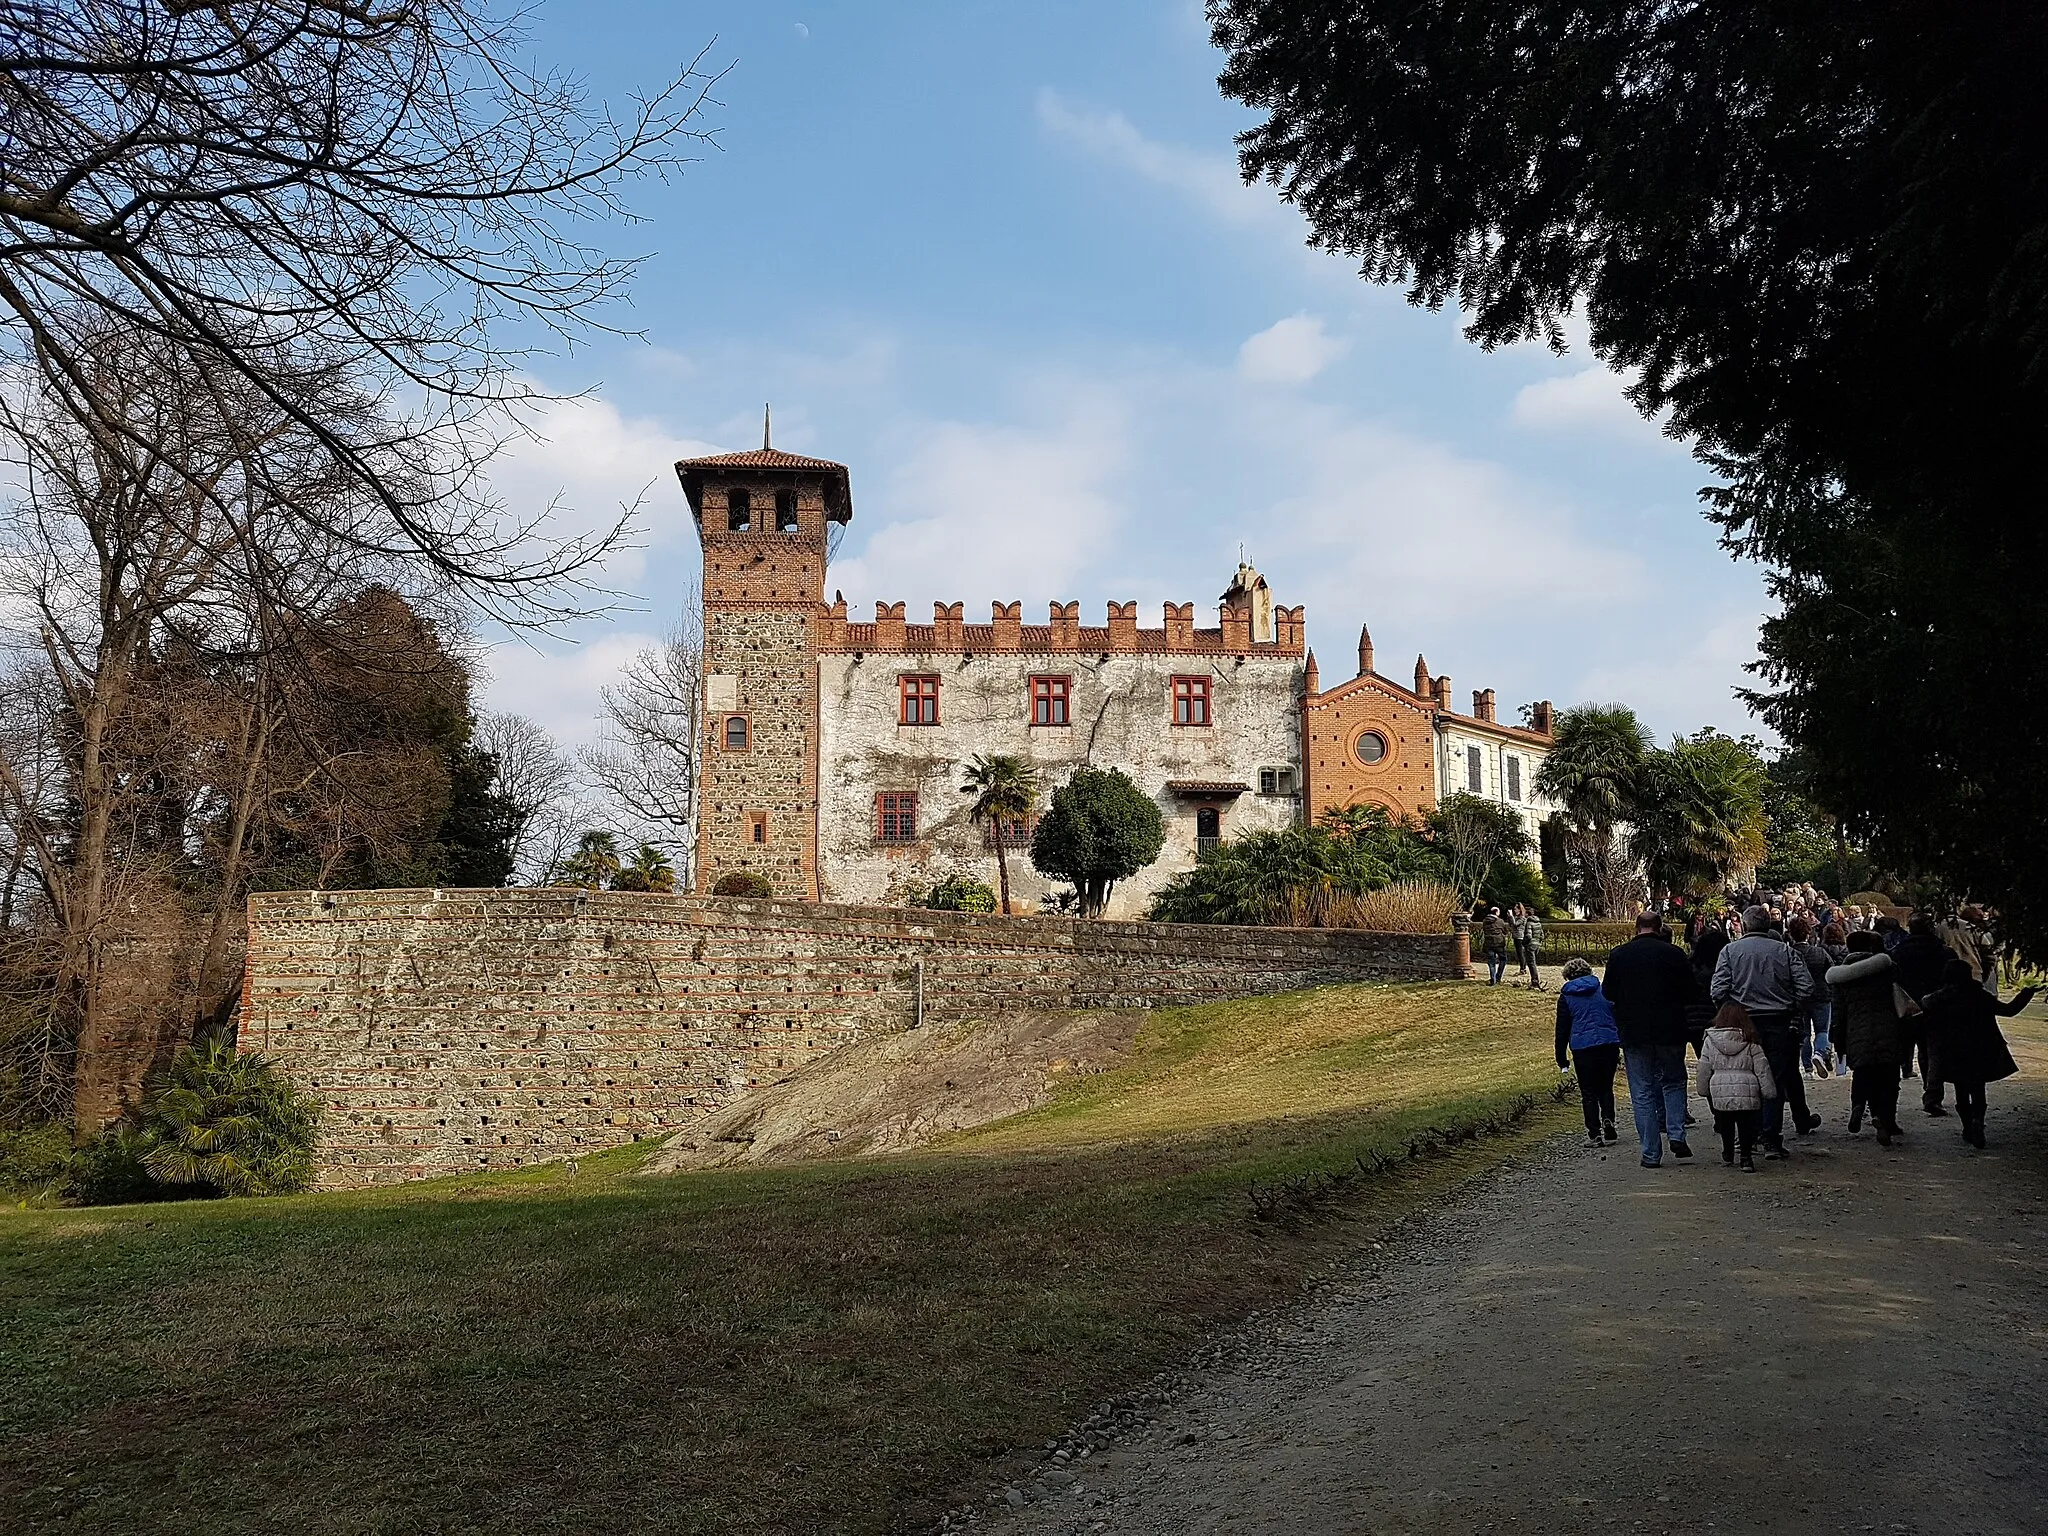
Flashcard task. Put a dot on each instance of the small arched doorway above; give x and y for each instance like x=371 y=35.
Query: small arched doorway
x=1208 y=828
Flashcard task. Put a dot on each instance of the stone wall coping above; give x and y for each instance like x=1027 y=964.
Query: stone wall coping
x=654 y=906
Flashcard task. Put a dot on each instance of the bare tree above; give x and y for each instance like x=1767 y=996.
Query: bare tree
x=279 y=194
x=540 y=781
x=644 y=764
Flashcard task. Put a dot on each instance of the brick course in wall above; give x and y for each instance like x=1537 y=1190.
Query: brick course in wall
x=451 y=1031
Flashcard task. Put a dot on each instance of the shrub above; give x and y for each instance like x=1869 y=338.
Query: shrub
x=1517 y=880
x=959 y=893
x=109 y=1170
x=1285 y=878
x=743 y=882
x=35 y=1160
x=228 y=1121
x=1408 y=906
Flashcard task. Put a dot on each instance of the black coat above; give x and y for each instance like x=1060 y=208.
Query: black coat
x=1921 y=962
x=1963 y=1036
x=1649 y=981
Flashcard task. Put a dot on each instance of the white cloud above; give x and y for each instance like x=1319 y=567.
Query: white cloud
x=1291 y=351
x=1211 y=180
x=589 y=464
x=1395 y=527
x=982 y=512
x=1686 y=679
x=1590 y=399
x=557 y=685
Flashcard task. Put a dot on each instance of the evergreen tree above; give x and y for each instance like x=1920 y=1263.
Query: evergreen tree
x=1101 y=828
x=1812 y=234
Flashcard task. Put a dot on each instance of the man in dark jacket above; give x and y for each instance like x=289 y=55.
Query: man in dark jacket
x=1770 y=979
x=1921 y=957
x=1649 y=982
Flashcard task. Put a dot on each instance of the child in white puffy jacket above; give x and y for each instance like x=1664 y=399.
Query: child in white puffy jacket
x=1735 y=1080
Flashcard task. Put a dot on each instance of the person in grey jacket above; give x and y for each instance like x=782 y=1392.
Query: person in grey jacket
x=1771 y=980
x=1528 y=930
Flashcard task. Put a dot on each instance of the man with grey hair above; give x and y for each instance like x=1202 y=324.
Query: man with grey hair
x=1773 y=981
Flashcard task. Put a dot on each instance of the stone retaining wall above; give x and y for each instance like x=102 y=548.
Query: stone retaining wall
x=448 y=1031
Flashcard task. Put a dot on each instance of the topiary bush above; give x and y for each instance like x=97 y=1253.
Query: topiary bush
x=743 y=882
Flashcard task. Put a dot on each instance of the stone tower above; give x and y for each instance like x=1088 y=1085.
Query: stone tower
x=763 y=518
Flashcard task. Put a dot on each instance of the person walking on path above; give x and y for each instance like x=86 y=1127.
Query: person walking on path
x=1870 y=1032
x=1528 y=929
x=1770 y=979
x=1921 y=958
x=1735 y=1080
x=1649 y=983
x=1494 y=934
x=1585 y=1025
x=1964 y=1040
x=1815 y=1054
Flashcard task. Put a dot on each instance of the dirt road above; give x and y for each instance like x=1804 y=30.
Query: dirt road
x=1850 y=1341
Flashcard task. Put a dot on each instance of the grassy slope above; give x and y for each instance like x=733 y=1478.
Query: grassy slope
x=822 y=1348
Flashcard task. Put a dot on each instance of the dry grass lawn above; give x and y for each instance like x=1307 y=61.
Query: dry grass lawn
x=826 y=1347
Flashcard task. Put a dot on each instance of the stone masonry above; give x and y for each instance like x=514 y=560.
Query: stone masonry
x=452 y=1031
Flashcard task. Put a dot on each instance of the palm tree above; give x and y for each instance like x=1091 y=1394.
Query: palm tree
x=231 y=1121
x=594 y=863
x=1595 y=769
x=1005 y=790
x=1699 y=813
x=650 y=870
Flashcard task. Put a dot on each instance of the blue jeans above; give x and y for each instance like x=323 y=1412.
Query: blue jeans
x=1822 y=1017
x=1656 y=1092
x=1496 y=966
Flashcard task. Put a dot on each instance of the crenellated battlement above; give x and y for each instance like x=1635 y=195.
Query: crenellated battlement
x=1062 y=633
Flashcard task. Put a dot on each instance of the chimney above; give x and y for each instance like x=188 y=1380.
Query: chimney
x=1443 y=693
x=1423 y=687
x=1311 y=680
x=1364 y=651
x=1482 y=704
x=1542 y=718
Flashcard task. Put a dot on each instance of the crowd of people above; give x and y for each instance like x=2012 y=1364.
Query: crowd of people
x=1794 y=987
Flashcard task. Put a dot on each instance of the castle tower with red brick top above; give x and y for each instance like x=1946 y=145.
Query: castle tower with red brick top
x=764 y=520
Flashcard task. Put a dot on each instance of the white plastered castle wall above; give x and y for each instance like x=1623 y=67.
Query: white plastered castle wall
x=1456 y=738
x=1120 y=708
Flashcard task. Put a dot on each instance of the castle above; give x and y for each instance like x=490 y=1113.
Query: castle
x=833 y=750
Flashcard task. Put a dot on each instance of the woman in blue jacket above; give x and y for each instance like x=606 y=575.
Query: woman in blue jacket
x=1585 y=1023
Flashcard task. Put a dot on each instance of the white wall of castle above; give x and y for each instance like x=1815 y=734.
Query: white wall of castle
x=1121 y=712
x=1513 y=788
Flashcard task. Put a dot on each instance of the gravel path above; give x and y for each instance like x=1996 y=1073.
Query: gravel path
x=1849 y=1341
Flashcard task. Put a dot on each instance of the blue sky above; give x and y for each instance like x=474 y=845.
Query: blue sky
x=996 y=259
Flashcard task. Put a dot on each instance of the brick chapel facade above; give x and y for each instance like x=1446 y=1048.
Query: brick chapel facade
x=833 y=749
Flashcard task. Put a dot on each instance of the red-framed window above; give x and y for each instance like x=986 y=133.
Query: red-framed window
x=737 y=735
x=1049 y=696
x=1191 y=701
x=920 y=700
x=896 y=816
x=1016 y=834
